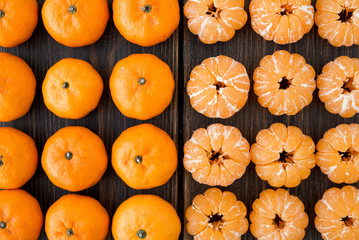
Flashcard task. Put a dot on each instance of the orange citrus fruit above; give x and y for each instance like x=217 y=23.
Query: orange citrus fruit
x=338 y=153
x=74 y=158
x=338 y=21
x=144 y=156
x=75 y=23
x=284 y=83
x=146 y=217
x=146 y=22
x=72 y=88
x=283 y=155
x=217 y=155
x=18 y=21
x=337 y=214
x=75 y=216
x=20 y=216
x=217 y=215
x=338 y=86
x=277 y=215
x=218 y=88
x=18 y=158
x=18 y=86
x=142 y=86
x=282 y=21
x=213 y=20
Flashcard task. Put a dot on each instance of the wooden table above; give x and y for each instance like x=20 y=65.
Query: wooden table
x=183 y=51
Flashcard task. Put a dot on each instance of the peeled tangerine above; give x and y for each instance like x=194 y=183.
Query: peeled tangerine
x=217 y=216
x=277 y=215
x=338 y=214
x=283 y=156
x=284 y=83
x=338 y=21
x=338 y=153
x=215 y=20
x=217 y=155
x=282 y=21
x=218 y=88
x=338 y=86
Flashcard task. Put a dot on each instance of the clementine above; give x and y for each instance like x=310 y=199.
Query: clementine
x=142 y=86
x=338 y=86
x=75 y=23
x=284 y=83
x=74 y=158
x=218 y=88
x=217 y=215
x=277 y=215
x=215 y=21
x=18 y=158
x=146 y=22
x=146 y=217
x=75 y=216
x=18 y=20
x=72 y=88
x=217 y=155
x=282 y=21
x=18 y=86
x=283 y=155
x=144 y=156
x=20 y=216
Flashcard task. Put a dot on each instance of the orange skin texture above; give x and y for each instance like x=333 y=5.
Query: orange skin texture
x=278 y=203
x=84 y=92
x=88 y=164
x=19 y=157
x=82 y=28
x=19 y=21
x=150 y=213
x=142 y=101
x=18 y=86
x=142 y=28
x=22 y=215
x=84 y=215
x=336 y=205
x=231 y=226
x=159 y=156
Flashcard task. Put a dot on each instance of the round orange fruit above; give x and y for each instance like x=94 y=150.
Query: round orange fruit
x=146 y=22
x=20 y=216
x=283 y=155
x=277 y=215
x=144 y=156
x=75 y=216
x=338 y=153
x=218 y=88
x=18 y=86
x=338 y=86
x=146 y=217
x=18 y=21
x=142 y=86
x=72 y=88
x=217 y=215
x=215 y=21
x=338 y=22
x=75 y=23
x=282 y=21
x=337 y=214
x=18 y=158
x=217 y=155
x=284 y=83
x=74 y=158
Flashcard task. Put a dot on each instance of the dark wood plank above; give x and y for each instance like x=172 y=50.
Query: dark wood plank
x=41 y=52
x=249 y=48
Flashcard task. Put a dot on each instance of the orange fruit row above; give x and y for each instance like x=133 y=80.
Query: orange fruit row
x=82 y=217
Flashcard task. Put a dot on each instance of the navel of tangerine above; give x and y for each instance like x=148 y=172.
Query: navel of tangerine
x=141 y=81
x=2 y=225
x=146 y=9
x=65 y=85
x=68 y=155
x=70 y=232
x=141 y=234
x=72 y=9
x=138 y=159
x=2 y=14
x=1 y=161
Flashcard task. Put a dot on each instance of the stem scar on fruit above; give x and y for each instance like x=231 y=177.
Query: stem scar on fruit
x=1 y=161
x=70 y=232
x=141 y=234
x=65 y=85
x=146 y=9
x=141 y=81
x=2 y=13
x=2 y=225
x=72 y=9
x=138 y=159
x=68 y=155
